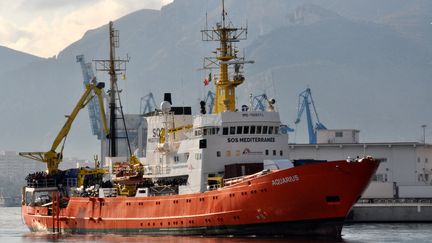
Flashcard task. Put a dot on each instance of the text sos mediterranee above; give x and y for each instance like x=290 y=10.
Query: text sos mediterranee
x=250 y=140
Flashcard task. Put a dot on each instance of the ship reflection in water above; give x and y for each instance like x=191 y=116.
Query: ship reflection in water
x=355 y=233
x=39 y=237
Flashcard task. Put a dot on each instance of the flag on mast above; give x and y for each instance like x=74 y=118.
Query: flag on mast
x=208 y=80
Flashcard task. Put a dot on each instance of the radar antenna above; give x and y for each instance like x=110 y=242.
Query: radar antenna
x=226 y=54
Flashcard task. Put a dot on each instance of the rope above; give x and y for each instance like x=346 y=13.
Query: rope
x=123 y=119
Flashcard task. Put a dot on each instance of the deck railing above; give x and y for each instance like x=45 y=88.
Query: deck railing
x=42 y=183
x=235 y=180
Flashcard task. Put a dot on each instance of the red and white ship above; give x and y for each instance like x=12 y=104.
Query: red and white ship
x=224 y=173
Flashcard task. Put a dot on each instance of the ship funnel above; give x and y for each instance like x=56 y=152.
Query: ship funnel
x=167 y=97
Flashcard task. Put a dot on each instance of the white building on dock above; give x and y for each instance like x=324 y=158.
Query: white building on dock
x=405 y=170
x=401 y=189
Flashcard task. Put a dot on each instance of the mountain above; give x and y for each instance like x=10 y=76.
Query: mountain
x=362 y=74
x=12 y=60
x=368 y=66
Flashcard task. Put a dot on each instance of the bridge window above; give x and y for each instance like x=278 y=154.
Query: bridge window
x=270 y=130
x=218 y=154
x=264 y=131
x=203 y=143
x=246 y=129
x=232 y=130
x=258 y=129
x=276 y=130
x=225 y=131
x=239 y=129
x=252 y=130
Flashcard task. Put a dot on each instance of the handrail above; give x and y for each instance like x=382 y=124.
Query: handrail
x=235 y=180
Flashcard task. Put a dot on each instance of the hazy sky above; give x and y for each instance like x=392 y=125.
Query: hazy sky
x=44 y=27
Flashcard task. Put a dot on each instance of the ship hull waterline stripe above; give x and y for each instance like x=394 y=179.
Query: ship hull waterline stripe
x=322 y=227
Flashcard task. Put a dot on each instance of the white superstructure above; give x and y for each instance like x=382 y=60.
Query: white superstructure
x=201 y=146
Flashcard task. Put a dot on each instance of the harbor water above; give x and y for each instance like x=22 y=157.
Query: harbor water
x=12 y=230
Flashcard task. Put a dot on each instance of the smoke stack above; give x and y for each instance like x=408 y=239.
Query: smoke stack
x=167 y=97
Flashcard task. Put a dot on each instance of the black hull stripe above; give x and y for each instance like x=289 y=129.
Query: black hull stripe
x=323 y=227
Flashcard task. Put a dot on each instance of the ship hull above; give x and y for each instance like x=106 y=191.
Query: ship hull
x=308 y=200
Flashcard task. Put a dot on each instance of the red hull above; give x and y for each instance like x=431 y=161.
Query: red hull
x=309 y=199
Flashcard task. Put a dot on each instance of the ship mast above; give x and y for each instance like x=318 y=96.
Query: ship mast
x=227 y=35
x=113 y=66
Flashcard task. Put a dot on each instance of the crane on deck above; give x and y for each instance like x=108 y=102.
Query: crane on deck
x=93 y=108
x=305 y=100
x=53 y=158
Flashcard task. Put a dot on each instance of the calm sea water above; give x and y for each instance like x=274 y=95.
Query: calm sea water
x=12 y=230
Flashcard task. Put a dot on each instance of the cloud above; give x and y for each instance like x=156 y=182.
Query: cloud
x=45 y=27
x=50 y=4
x=10 y=33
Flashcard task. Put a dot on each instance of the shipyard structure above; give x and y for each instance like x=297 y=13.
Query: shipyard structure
x=401 y=189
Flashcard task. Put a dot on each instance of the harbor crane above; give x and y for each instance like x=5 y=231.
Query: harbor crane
x=258 y=102
x=147 y=103
x=53 y=158
x=93 y=108
x=209 y=100
x=305 y=100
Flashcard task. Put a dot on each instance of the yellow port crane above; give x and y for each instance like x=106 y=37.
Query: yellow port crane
x=53 y=158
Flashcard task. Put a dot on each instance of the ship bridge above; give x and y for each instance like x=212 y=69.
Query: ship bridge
x=223 y=118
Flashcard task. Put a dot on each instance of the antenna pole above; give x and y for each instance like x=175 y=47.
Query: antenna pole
x=206 y=21
x=112 y=105
x=223 y=13
x=112 y=66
